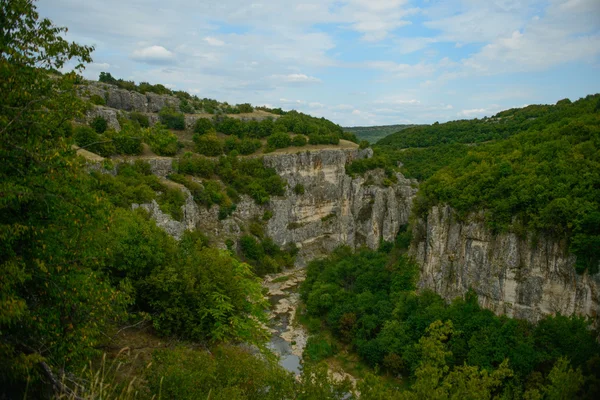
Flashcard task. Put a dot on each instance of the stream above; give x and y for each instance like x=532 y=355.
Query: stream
x=288 y=338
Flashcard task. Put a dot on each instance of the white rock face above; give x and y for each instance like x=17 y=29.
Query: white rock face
x=335 y=209
x=524 y=278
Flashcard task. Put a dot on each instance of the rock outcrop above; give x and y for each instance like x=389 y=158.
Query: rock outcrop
x=522 y=277
x=335 y=209
x=125 y=100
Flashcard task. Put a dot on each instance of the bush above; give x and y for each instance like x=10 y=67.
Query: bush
x=232 y=126
x=245 y=108
x=186 y=107
x=99 y=124
x=279 y=140
x=128 y=141
x=324 y=139
x=299 y=189
x=141 y=119
x=199 y=166
x=318 y=348
x=208 y=145
x=206 y=295
x=162 y=141
x=98 y=100
x=248 y=146
x=203 y=126
x=299 y=141
x=84 y=136
x=171 y=118
x=363 y=144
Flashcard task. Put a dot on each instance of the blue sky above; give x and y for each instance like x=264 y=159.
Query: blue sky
x=356 y=62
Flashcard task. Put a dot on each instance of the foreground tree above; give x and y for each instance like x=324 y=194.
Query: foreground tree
x=55 y=305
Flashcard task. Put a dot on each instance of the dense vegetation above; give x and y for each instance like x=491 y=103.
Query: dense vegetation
x=367 y=300
x=531 y=169
x=373 y=134
x=79 y=265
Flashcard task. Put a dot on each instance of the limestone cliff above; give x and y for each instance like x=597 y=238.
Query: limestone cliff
x=522 y=277
x=124 y=101
x=335 y=209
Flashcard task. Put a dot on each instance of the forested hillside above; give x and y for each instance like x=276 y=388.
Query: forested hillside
x=372 y=134
x=98 y=302
x=535 y=168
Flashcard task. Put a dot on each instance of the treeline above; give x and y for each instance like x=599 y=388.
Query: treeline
x=532 y=169
x=367 y=301
x=501 y=126
x=546 y=180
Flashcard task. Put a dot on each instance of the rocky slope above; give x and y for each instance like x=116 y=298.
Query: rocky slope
x=522 y=277
x=123 y=101
x=335 y=209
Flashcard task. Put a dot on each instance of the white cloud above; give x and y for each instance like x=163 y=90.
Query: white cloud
x=153 y=55
x=214 y=41
x=295 y=79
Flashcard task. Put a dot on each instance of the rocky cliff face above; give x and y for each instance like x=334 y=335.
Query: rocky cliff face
x=335 y=209
x=124 y=101
x=521 y=277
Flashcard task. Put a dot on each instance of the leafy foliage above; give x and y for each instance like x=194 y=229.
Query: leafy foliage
x=99 y=124
x=55 y=302
x=207 y=295
x=161 y=140
x=367 y=299
x=171 y=118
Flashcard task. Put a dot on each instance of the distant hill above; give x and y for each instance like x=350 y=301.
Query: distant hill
x=372 y=134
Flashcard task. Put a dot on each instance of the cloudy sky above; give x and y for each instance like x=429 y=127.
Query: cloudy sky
x=357 y=62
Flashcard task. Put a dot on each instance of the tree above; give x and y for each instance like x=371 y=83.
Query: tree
x=55 y=304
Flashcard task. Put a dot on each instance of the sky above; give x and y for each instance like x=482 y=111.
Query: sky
x=356 y=62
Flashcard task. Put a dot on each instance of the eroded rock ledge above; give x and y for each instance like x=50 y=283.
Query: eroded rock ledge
x=335 y=209
x=522 y=277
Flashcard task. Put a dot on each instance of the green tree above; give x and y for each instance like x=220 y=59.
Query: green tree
x=55 y=303
x=171 y=118
x=203 y=126
x=161 y=140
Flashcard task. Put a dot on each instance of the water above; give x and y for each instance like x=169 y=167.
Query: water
x=288 y=339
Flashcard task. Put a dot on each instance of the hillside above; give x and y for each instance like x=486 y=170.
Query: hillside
x=535 y=167
x=372 y=134
x=155 y=245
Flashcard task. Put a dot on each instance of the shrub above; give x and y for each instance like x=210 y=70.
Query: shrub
x=248 y=146
x=162 y=141
x=324 y=139
x=171 y=201
x=318 y=348
x=208 y=145
x=206 y=295
x=98 y=100
x=363 y=144
x=232 y=126
x=84 y=136
x=171 y=118
x=299 y=141
x=99 y=124
x=299 y=189
x=203 y=126
x=128 y=141
x=141 y=119
x=245 y=108
x=279 y=140
x=186 y=107
x=200 y=166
